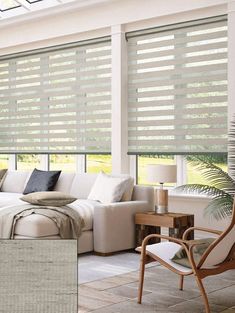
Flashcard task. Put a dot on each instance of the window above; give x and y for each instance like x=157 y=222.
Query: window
x=96 y=163
x=195 y=177
x=57 y=100
x=3 y=161
x=65 y=163
x=178 y=88
x=144 y=160
x=28 y=161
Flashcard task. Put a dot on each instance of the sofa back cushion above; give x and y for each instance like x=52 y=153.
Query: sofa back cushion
x=15 y=181
x=82 y=184
x=64 y=182
x=3 y=173
x=78 y=185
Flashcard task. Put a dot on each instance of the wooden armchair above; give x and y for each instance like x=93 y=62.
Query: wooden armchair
x=218 y=257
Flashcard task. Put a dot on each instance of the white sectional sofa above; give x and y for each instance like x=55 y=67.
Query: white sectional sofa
x=108 y=227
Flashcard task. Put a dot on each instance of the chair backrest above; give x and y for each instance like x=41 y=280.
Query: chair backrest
x=219 y=250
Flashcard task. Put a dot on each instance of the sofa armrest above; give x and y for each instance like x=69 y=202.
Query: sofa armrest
x=144 y=193
x=114 y=225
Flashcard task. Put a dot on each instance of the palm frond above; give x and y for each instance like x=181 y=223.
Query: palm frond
x=220 y=207
x=214 y=174
x=200 y=189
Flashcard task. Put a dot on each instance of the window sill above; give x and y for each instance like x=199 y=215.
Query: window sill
x=193 y=197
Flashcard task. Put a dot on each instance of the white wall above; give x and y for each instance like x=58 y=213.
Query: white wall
x=44 y=29
x=195 y=205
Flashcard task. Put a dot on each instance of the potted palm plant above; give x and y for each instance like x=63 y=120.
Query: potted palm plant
x=221 y=185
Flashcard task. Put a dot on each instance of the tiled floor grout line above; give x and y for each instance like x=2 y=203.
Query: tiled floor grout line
x=131 y=299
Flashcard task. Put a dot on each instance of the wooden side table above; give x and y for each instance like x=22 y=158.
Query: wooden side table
x=151 y=222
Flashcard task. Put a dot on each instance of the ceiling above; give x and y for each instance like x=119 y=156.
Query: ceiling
x=11 y=8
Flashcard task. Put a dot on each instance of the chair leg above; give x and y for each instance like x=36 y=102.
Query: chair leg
x=181 y=284
x=141 y=276
x=203 y=293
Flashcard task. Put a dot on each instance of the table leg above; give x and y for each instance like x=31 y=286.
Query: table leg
x=179 y=230
x=144 y=230
x=190 y=224
x=174 y=232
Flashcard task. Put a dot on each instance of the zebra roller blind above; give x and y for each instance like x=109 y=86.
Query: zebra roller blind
x=57 y=100
x=178 y=88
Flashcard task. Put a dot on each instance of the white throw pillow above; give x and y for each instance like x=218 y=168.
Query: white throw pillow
x=108 y=189
x=127 y=195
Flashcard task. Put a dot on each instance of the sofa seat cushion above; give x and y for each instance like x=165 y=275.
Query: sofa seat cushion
x=36 y=225
x=10 y=198
x=86 y=210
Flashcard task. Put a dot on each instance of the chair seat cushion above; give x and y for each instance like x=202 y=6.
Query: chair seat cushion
x=201 y=246
x=165 y=251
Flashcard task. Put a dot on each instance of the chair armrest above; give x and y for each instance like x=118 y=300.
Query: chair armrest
x=213 y=231
x=184 y=243
x=176 y=240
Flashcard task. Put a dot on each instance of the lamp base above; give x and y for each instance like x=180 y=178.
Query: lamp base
x=161 y=201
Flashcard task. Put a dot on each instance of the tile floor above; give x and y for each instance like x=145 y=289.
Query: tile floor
x=118 y=294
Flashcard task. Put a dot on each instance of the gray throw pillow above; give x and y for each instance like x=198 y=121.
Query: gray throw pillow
x=41 y=181
x=48 y=198
x=2 y=176
x=181 y=257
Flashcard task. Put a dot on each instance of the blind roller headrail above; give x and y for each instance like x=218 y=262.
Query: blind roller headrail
x=175 y=153
x=176 y=26
x=55 y=48
x=27 y=152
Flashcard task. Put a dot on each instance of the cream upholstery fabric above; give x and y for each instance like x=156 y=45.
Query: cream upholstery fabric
x=86 y=242
x=221 y=251
x=2 y=176
x=9 y=198
x=36 y=225
x=64 y=182
x=82 y=185
x=114 y=227
x=15 y=181
x=166 y=251
x=41 y=238
x=86 y=209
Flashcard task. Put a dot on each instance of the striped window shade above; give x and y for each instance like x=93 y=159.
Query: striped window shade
x=178 y=88
x=57 y=100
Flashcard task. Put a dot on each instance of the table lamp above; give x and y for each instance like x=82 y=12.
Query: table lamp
x=159 y=173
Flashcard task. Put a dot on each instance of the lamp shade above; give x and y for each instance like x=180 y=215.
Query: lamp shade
x=159 y=173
